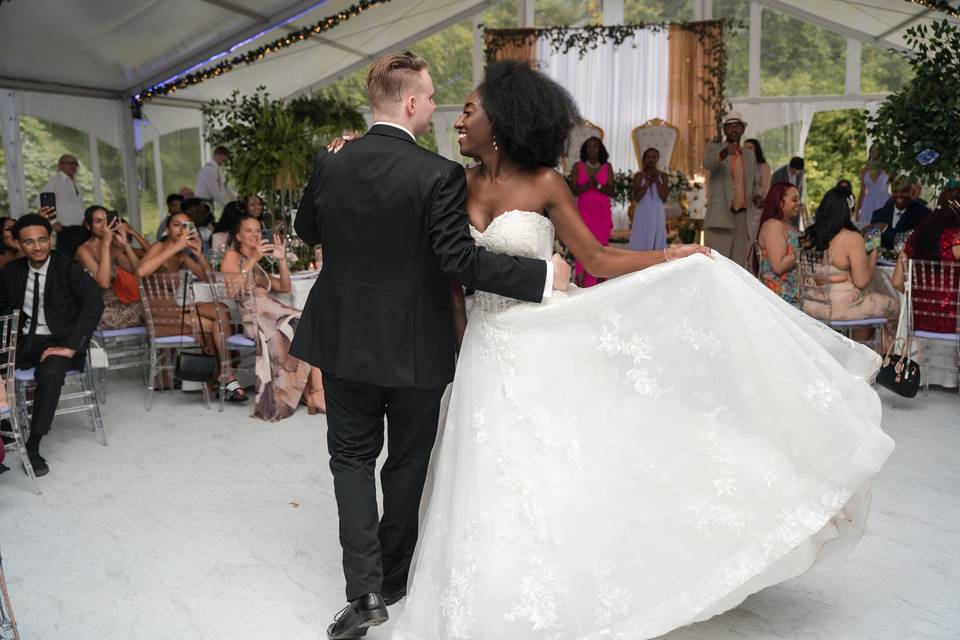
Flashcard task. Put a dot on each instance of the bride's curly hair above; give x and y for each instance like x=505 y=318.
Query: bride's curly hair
x=532 y=115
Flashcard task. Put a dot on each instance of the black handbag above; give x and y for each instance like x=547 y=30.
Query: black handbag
x=194 y=365
x=899 y=373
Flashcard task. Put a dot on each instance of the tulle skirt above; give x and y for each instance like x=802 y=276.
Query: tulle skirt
x=625 y=460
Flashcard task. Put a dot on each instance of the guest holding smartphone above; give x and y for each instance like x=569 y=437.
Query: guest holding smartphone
x=62 y=194
x=282 y=380
x=182 y=250
x=109 y=257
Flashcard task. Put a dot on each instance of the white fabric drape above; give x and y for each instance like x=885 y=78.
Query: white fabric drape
x=616 y=87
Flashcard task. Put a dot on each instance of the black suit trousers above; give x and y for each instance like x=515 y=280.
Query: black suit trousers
x=49 y=376
x=377 y=550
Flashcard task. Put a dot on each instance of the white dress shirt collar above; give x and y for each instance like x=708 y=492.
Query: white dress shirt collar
x=397 y=126
x=897 y=214
x=42 y=270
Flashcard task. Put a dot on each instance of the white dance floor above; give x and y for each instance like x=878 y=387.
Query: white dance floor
x=194 y=524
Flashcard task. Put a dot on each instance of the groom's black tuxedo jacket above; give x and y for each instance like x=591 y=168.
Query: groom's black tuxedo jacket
x=391 y=219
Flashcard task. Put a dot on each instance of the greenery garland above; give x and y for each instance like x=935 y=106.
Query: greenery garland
x=710 y=34
x=248 y=57
x=938 y=5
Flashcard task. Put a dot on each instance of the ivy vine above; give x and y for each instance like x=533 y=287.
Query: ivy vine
x=710 y=33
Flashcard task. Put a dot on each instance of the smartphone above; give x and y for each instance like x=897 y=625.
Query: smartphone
x=112 y=218
x=872 y=236
x=48 y=199
x=266 y=235
x=189 y=227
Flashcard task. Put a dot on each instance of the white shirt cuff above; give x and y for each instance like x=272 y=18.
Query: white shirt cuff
x=548 y=285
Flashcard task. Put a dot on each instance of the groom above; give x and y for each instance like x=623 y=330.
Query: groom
x=378 y=323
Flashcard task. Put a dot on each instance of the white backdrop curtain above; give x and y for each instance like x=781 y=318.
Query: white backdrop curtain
x=616 y=87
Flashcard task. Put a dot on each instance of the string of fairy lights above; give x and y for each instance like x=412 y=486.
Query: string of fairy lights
x=938 y=5
x=256 y=55
x=249 y=57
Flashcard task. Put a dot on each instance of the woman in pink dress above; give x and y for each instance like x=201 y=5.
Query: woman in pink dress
x=591 y=180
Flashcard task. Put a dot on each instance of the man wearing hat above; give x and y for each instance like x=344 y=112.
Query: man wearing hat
x=733 y=186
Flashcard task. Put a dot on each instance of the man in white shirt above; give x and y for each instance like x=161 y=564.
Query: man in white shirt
x=60 y=306
x=69 y=221
x=212 y=181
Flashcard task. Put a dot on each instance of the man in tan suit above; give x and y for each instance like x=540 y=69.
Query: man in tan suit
x=733 y=185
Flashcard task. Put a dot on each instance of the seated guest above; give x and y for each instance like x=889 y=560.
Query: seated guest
x=901 y=213
x=791 y=173
x=851 y=268
x=255 y=206
x=779 y=242
x=112 y=262
x=182 y=250
x=226 y=226
x=10 y=250
x=843 y=183
x=60 y=306
x=174 y=202
x=202 y=218
x=937 y=239
x=282 y=380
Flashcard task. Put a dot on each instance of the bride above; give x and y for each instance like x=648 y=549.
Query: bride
x=623 y=461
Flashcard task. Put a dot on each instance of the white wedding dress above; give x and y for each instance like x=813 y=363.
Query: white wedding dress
x=621 y=461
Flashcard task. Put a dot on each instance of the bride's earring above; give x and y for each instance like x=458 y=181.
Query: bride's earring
x=495 y=147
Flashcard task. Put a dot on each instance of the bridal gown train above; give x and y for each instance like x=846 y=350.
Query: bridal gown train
x=621 y=461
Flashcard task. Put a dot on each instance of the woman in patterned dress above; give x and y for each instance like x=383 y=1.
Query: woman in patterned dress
x=779 y=242
x=282 y=380
x=112 y=262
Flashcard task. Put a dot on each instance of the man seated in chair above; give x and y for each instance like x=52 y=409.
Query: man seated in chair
x=902 y=213
x=60 y=306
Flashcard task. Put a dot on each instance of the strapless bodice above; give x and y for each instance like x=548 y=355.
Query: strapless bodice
x=515 y=233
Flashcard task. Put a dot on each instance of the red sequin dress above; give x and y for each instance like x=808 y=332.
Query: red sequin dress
x=935 y=310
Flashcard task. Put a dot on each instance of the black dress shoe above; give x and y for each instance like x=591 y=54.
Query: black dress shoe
x=356 y=617
x=40 y=466
x=391 y=598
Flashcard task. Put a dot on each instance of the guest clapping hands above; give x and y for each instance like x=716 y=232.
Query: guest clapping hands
x=650 y=190
x=591 y=180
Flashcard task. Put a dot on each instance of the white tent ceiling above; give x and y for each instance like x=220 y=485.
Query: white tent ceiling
x=882 y=23
x=110 y=48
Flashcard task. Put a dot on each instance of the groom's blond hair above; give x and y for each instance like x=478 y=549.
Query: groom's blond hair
x=392 y=77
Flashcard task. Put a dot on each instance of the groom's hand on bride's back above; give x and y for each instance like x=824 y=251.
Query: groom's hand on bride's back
x=561 y=272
